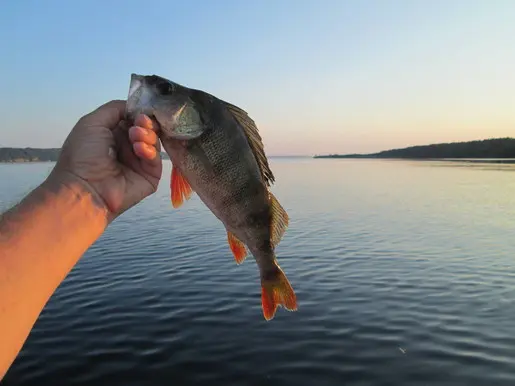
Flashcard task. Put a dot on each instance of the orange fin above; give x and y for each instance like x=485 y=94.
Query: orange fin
x=181 y=189
x=276 y=291
x=237 y=247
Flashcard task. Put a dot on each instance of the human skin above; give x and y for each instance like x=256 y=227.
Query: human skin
x=104 y=169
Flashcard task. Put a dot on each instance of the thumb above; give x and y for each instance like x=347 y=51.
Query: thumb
x=108 y=115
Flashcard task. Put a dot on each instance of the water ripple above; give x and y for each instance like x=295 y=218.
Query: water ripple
x=398 y=284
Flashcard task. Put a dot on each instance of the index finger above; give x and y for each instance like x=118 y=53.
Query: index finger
x=108 y=115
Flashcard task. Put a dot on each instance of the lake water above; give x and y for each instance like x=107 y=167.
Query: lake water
x=404 y=273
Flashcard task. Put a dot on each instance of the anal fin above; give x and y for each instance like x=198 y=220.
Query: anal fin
x=180 y=188
x=237 y=247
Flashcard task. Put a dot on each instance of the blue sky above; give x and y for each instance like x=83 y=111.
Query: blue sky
x=317 y=76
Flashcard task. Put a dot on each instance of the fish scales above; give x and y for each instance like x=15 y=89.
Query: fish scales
x=227 y=181
x=216 y=151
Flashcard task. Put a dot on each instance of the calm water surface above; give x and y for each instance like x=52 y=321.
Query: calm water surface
x=404 y=273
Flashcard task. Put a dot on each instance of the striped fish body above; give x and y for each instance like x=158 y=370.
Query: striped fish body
x=216 y=152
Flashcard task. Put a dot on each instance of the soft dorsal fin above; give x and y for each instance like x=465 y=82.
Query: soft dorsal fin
x=280 y=220
x=255 y=142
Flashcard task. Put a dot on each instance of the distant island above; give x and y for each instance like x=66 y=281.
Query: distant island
x=481 y=149
x=30 y=154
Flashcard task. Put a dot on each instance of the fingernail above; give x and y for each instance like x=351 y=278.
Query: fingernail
x=146 y=121
x=141 y=129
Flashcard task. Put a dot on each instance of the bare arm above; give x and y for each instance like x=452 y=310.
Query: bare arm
x=102 y=171
x=41 y=239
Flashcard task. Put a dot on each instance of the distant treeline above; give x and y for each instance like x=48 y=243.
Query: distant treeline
x=487 y=148
x=29 y=154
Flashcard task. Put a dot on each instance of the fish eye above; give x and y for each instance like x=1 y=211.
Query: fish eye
x=164 y=88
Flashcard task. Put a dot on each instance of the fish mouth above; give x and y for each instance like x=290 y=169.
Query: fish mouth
x=135 y=84
x=135 y=102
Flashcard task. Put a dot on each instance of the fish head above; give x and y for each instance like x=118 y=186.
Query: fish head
x=166 y=102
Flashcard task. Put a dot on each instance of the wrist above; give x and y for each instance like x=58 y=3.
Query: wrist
x=77 y=194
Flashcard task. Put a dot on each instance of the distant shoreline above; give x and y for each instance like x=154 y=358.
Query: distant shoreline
x=18 y=162
x=19 y=155
x=496 y=149
x=462 y=160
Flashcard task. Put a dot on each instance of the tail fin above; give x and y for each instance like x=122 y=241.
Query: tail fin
x=276 y=291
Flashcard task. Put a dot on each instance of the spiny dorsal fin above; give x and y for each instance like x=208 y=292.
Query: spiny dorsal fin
x=255 y=142
x=279 y=221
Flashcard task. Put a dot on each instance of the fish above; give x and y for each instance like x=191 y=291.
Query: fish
x=217 y=152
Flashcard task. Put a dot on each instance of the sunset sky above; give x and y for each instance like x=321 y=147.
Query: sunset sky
x=316 y=76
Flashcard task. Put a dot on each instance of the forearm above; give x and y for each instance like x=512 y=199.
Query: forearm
x=41 y=239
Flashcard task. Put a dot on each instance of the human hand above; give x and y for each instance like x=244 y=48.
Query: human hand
x=118 y=166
